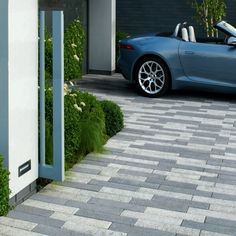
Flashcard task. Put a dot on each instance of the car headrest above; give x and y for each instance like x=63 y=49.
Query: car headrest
x=185 y=35
x=192 y=37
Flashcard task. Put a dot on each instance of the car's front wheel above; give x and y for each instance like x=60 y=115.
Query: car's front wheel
x=152 y=77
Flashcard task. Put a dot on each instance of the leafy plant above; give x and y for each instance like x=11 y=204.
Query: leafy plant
x=208 y=13
x=74 y=50
x=114 y=119
x=4 y=189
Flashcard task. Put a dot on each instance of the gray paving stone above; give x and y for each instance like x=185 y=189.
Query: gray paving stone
x=35 y=219
x=33 y=210
x=139 y=173
x=113 y=185
x=226 y=223
x=51 y=231
x=85 y=170
x=138 y=231
x=209 y=227
x=170 y=183
x=224 y=196
x=135 y=183
x=183 y=190
x=162 y=203
x=171 y=203
x=118 y=205
x=94 y=207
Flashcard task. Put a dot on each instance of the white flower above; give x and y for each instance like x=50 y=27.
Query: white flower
x=77 y=108
x=50 y=89
x=50 y=40
x=71 y=83
x=73 y=45
x=76 y=58
x=82 y=104
x=73 y=95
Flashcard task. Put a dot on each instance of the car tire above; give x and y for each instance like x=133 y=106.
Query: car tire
x=152 y=77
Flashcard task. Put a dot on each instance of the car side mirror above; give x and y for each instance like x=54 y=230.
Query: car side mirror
x=231 y=41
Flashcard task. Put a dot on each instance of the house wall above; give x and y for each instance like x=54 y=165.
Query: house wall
x=138 y=16
x=19 y=89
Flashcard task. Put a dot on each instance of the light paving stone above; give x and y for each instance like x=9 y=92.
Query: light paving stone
x=180 y=215
x=16 y=223
x=140 y=195
x=50 y=206
x=126 y=167
x=191 y=172
x=11 y=231
x=154 y=218
x=81 y=220
x=91 y=230
x=168 y=227
x=229 y=189
x=89 y=176
x=215 y=214
x=59 y=197
x=207 y=233
x=214 y=201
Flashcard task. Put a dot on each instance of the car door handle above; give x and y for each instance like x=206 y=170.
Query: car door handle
x=189 y=52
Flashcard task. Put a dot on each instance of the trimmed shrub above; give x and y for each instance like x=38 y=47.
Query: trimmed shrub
x=74 y=50
x=84 y=126
x=4 y=189
x=114 y=119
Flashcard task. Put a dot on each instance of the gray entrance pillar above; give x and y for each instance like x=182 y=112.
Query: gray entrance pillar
x=102 y=36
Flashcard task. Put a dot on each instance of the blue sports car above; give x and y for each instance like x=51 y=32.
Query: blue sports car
x=163 y=61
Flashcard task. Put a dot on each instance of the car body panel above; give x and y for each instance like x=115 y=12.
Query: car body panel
x=202 y=65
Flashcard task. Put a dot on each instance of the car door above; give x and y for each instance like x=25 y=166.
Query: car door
x=207 y=63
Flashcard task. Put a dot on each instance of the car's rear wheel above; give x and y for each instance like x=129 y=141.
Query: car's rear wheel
x=152 y=77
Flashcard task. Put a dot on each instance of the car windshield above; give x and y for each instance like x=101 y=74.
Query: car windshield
x=229 y=28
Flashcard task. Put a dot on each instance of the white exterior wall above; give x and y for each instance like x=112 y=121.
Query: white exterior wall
x=102 y=35
x=19 y=89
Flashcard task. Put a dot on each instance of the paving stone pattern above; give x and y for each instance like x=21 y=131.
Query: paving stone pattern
x=171 y=171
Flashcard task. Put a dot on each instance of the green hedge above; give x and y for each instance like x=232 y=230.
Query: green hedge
x=4 y=189
x=74 y=50
x=114 y=119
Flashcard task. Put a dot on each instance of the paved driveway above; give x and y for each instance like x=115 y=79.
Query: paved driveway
x=171 y=171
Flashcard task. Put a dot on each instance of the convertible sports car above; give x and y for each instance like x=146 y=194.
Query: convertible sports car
x=162 y=61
